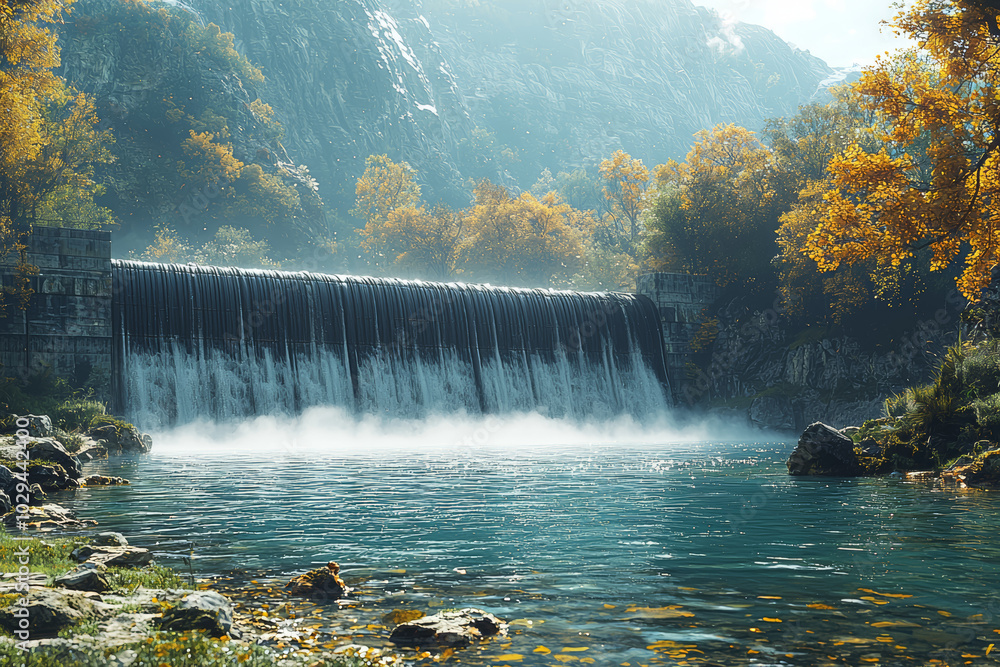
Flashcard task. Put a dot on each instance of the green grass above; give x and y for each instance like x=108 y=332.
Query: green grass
x=174 y=649
x=49 y=556
x=125 y=580
x=928 y=426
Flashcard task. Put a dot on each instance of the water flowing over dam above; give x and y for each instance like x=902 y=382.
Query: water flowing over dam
x=195 y=342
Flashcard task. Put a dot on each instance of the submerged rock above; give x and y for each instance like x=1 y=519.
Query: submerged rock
x=448 y=628
x=823 y=450
x=201 y=610
x=322 y=583
x=102 y=480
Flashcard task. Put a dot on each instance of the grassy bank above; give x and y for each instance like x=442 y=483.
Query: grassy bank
x=928 y=427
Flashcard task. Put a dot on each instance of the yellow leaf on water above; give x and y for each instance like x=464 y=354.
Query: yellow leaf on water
x=573 y=649
x=895 y=624
x=609 y=606
x=768 y=597
x=989 y=648
x=512 y=657
x=562 y=657
x=817 y=605
x=873 y=600
x=543 y=650
x=885 y=595
x=673 y=611
x=944 y=613
x=771 y=620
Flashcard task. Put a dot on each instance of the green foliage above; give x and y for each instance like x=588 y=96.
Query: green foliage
x=125 y=580
x=231 y=246
x=49 y=556
x=928 y=425
x=77 y=414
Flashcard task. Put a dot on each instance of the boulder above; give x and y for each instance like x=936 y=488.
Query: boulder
x=201 y=610
x=113 y=556
x=87 y=577
x=823 y=450
x=39 y=426
x=49 y=449
x=870 y=447
x=52 y=609
x=323 y=583
x=45 y=517
x=50 y=478
x=125 y=439
x=5 y=504
x=109 y=539
x=7 y=479
x=984 y=473
x=448 y=628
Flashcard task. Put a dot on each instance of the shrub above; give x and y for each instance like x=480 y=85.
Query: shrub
x=78 y=414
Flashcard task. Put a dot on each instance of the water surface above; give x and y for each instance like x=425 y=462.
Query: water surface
x=642 y=553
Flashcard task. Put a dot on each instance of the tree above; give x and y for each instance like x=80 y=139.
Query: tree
x=716 y=212
x=48 y=138
x=427 y=241
x=384 y=187
x=625 y=180
x=519 y=240
x=935 y=182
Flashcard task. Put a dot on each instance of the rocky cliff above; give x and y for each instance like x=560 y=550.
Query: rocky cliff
x=449 y=85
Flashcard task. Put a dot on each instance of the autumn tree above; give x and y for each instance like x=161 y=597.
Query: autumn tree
x=624 y=183
x=519 y=239
x=716 y=212
x=427 y=240
x=384 y=187
x=935 y=181
x=49 y=141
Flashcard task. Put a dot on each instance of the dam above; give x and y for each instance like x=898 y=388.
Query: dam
x=172 y=343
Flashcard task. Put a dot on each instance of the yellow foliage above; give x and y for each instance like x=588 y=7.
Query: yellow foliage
x=384 y=187
x=716 y=212
x=520 y=240
x=934 y=183
x=426 y=239
x=625 y=181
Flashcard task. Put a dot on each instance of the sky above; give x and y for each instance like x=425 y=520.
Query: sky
x=841 y=32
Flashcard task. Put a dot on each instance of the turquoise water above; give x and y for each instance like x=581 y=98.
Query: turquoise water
x=642 y=553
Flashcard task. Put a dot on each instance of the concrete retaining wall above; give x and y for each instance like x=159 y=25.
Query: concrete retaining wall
x=680 y=299
x=67 y=326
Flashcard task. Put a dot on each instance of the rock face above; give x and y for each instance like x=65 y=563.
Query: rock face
x=823 y=450
x=556 y=83
x=202 y=610
x=448 y=628
x=322 y=583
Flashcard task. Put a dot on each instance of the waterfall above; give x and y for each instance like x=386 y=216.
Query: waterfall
x=196 y=342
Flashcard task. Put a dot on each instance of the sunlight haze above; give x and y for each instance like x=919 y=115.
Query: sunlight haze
x=841 y=32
